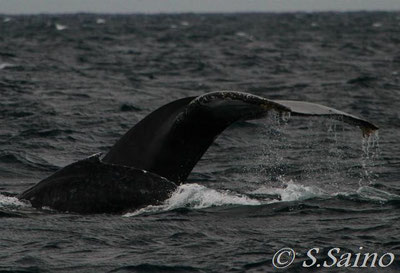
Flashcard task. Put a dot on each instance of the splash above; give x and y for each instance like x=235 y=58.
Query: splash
x=265 y=159
x=11 y=202
x=197 y=197
x=292 y=192
x=370 y=145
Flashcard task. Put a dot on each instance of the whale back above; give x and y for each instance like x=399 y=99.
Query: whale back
x=91 y=186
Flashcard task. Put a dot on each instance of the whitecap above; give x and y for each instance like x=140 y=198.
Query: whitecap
x=244 y=35
x=184 y=23
x=61 y=27
x=100 y=21
x=5 y=65
x=241 y=34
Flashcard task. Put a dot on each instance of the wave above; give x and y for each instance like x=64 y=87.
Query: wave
x=6 y=65
x=370 y=194
x=31 y=161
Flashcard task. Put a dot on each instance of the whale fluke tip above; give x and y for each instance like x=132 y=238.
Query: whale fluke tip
x=303 y=108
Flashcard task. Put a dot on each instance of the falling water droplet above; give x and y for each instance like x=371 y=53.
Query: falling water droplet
x=370 y=151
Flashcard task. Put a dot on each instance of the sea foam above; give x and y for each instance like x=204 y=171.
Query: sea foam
x=197 y=197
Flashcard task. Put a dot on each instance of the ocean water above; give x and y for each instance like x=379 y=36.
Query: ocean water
x=71 y=85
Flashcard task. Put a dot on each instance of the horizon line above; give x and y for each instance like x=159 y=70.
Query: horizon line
x=197 y=12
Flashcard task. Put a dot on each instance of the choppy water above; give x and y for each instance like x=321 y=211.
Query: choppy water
x=70 y=85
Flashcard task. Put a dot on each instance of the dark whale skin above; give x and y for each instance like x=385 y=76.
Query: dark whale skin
x=91 y=186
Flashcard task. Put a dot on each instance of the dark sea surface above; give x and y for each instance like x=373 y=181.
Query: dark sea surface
x=71 y=85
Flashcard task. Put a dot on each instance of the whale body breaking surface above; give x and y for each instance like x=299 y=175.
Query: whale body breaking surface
x=147 y=164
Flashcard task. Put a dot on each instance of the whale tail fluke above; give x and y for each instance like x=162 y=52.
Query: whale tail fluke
x=303 y=108
x=172 y=139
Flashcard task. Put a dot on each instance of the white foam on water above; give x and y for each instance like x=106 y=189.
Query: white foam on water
x=297 y=192
x=241 y=34
x=197 y=197
x=61 y=27
x=100 y=21
x=11 y=202
x=292 y=192
x=5 y=65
